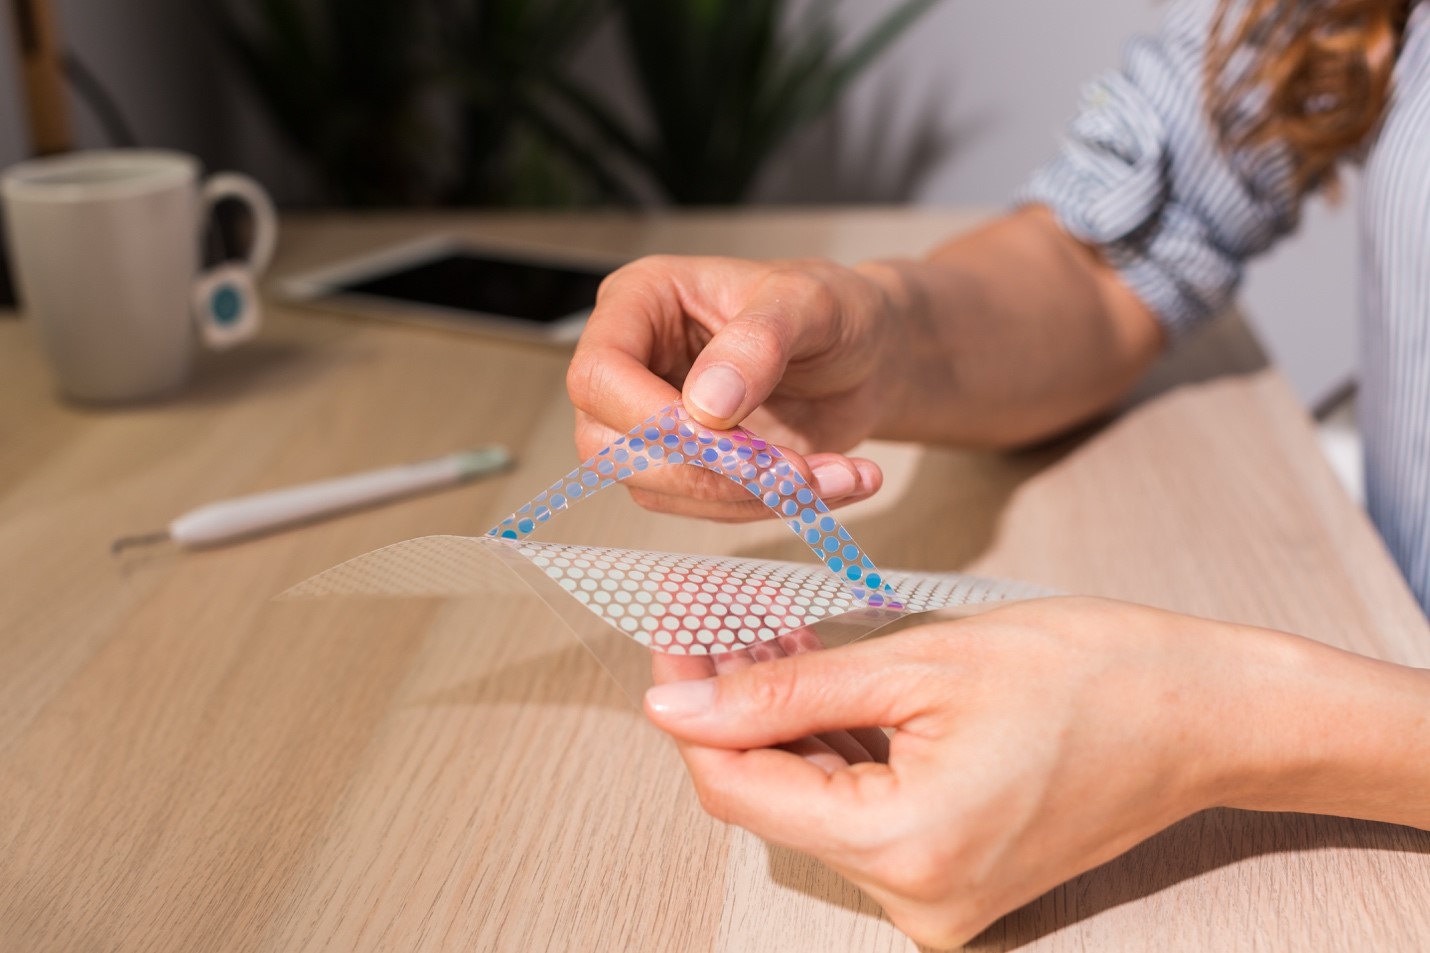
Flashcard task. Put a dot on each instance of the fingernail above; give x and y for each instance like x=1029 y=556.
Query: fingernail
x=833 y=480
x=682 y=699
x=868 y=473
x=718 y=391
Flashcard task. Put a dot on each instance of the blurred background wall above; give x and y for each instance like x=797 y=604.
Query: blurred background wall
x=956 y=114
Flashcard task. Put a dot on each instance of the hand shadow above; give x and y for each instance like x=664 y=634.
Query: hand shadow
x=581 y=662
x=950 y=488
x=1189 y=849
x=568 y=676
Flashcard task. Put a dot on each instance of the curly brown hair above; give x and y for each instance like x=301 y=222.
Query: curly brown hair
x=1323 y=68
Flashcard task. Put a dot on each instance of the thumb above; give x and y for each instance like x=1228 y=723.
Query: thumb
x=736 y=372
x=744 y=360
x=785 y=699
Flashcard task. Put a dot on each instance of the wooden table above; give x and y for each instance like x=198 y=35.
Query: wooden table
x=187 y=765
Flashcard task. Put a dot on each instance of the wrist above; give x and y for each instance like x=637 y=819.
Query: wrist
x=1323 y=731
x=901 y=313
x=1262 y=682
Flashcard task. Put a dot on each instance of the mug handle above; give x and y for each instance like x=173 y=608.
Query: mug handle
x=225 y=298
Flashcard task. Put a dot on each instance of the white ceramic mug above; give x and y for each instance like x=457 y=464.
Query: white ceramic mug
x=105 y=247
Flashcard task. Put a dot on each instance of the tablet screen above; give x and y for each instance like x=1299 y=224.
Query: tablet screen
x=526 y=290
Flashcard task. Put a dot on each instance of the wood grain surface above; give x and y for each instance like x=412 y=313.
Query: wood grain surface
x=188 y=765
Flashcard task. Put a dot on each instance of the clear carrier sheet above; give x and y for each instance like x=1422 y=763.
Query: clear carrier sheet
x=724 y=608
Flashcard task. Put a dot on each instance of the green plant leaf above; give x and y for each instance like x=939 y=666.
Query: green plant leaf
x=725 y=85
x=606 y=124
x=580 y=155
x=500 y=62
x=879 y=38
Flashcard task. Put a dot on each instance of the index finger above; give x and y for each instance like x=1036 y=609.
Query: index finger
x=785 y=799
x=680 y=668
x=613 y=377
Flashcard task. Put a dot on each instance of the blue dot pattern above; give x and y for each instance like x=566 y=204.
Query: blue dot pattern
x=670 y=438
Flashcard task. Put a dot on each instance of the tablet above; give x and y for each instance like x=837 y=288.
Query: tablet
x=454 y=283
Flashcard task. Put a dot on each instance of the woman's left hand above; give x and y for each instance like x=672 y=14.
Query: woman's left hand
x=1032 y=743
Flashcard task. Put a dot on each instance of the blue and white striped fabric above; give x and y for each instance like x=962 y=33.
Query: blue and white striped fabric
x=1141 y=177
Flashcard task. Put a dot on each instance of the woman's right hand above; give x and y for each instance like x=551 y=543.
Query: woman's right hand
x=802 y=350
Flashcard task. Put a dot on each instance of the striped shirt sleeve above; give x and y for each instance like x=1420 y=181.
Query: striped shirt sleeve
x=1394 y=400
x=1141 y=176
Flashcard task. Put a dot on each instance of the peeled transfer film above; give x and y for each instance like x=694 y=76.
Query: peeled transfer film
x=672 y=438
x=672 y=603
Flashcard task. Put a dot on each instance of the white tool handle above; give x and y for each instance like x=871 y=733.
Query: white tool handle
x=245 y=515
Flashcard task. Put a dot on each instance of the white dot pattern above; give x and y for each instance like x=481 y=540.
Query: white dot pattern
x=682 y=604
x=672 y=602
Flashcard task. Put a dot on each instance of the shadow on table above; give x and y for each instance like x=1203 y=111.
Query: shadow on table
x=260 y=366
x=1221 y=348
x=590 y=666
x=1198 y=845
x=567 y=676
x=946 y=488
x=970 y=490
x=1189 y=849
